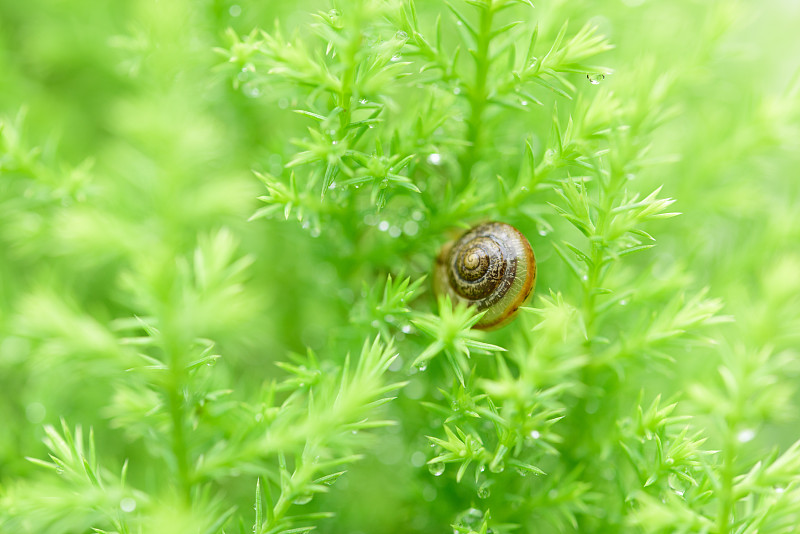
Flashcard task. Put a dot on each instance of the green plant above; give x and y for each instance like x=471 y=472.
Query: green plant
x=295 y=372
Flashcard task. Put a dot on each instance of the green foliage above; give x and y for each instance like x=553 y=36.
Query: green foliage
x=218 y=224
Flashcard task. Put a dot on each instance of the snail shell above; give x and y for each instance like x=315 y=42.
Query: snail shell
x=491 y=267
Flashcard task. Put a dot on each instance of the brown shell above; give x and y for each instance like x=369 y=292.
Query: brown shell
x=491 y=267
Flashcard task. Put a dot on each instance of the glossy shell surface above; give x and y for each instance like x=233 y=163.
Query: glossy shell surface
x=491 y=267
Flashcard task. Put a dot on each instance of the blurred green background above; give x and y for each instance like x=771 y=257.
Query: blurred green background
x=144 y=145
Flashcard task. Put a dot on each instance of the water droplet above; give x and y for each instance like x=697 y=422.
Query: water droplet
x=434 y=159
x=305 y=225
x=497 y=467
x=524 y=102
x=418 y=459
x=746 y=435
x=585 y=277
x=396 y=57
x=543 y=232
x=401 y=35
x=422 y=366
x=484 y=490
x=35 y=412
x=410 y=228
x=456 y=90
x=335 y=142
x=251 y=90
x=436 y=468
x=780 y=490
x=127 y=504
x=315 y=232
x=363 y=101
x=596 y=78
x=375 y=323
x=623 y=302
x=535 y=434
x=395 y=231
x=383 y=226
x=407 y=329
x=332 y=186
x=679 y=493
x=459 y=23
x=354 y=432
x=333 y=13
x=470 y=518
x=522 y=472
x=305 y=498
x=235 y=10
x=417 y=215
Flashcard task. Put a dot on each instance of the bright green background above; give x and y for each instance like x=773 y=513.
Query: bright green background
x=133 y=91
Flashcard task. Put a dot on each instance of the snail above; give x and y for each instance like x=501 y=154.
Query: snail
x=491 y=267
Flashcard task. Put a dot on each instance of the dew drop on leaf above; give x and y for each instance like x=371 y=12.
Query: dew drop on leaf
x=434 y=159
x=127 y=504
x=484 y=491
x=469 y=518
x=305 y=498
x=436 y=468
x=596 y=78
x=497 y=467
x=401 y=35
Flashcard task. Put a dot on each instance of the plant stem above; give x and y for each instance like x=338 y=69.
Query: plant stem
x=177 y=415
x=478 y=94
x=728 y=473
x=179 y=442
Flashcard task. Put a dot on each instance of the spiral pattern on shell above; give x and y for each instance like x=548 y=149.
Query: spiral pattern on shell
x=491 y=267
